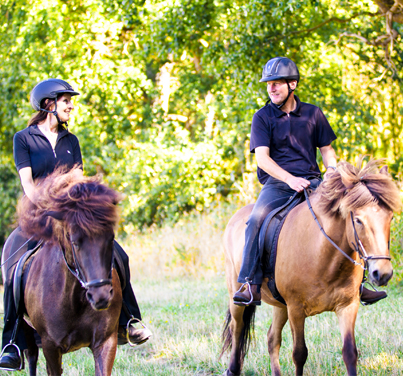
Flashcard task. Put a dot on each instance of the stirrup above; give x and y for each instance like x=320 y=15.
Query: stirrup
x=250 y=292
x=127 y=331
x=11 y=344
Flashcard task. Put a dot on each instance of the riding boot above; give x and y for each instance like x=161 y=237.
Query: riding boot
x=368 y=297
x=244 y=297
x=136 y=336
x=10 y=362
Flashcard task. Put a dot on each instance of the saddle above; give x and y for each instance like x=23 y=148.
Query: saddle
x=268 y=240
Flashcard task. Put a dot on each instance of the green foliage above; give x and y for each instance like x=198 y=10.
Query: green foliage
x=169 y=88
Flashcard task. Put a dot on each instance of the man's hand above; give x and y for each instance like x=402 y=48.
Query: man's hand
x=298 y=184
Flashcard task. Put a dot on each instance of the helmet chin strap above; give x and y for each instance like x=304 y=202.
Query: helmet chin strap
x=54 y=112
x=279 y=106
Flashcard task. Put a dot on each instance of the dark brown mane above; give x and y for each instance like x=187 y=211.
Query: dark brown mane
x=83 y=203
x=351 y=187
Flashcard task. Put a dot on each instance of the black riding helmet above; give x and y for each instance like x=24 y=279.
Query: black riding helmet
x=51 y=88
x=280 y=68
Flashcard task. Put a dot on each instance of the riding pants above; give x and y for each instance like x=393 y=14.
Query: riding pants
x=21 y=244
x=274 y=194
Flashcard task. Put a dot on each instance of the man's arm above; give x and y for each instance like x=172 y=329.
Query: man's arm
x=266 y=163
x=329 y=159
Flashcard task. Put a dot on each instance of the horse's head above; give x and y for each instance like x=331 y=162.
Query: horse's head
x=368 y=232
x=366 y=198
x=92 y=256
x=80 y=214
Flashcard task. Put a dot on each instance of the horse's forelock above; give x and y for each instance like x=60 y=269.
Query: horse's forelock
x=352 y=187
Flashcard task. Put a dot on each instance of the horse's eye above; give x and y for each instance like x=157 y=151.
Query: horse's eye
x=358 y=221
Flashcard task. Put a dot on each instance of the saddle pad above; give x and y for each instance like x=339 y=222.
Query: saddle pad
x=268 y=238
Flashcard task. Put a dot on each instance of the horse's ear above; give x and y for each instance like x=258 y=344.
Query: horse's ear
x=55 y=214
x=384 y=170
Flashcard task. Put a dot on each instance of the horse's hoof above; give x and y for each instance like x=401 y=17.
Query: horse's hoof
x=229 y=373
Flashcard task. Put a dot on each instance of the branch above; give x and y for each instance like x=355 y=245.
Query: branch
x=385 y=7
x=382 y=40
x=332 y=19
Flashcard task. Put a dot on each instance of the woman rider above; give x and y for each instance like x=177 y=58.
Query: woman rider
x=44 y=145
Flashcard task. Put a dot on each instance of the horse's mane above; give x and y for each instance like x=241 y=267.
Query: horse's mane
x=65 y=200
x=351 y=187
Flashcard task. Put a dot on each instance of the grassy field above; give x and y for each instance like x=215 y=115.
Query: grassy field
x=186 y=318
x=178 y=278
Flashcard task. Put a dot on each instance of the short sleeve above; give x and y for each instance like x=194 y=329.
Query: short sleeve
x=78 y=160
x=21 y=152
x=324 y=132
x=260 y=132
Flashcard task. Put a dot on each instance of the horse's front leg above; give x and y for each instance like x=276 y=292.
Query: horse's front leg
x=280 y=317
x=104 y=356
x=53 y=356
x=300 y=352
x=347 y=316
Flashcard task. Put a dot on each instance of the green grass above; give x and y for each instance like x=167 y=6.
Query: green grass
x=178 y=278
x=186 y=318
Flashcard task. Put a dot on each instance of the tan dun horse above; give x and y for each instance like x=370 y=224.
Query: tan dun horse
x=72 y=293
x=355 y=207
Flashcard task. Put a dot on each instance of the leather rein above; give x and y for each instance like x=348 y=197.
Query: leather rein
x=78 y=272
x=357 y=244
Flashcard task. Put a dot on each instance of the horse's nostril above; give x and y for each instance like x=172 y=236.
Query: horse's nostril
x=111 y=292
x=375 y=275
x=89 y=296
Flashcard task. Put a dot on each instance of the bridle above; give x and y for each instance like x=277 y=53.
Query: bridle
x=357 y=244
x=78 y=272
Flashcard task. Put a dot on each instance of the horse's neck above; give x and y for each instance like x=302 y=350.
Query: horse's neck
x=70 y=281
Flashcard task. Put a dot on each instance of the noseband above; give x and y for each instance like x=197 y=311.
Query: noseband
x=78 y=272
x=357 y=244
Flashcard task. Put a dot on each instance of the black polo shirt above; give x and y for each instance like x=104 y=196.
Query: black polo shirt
x=33 y=149
x=292 y=138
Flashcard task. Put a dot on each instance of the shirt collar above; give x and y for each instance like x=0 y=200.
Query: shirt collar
x=33 y=129
x=278 y=113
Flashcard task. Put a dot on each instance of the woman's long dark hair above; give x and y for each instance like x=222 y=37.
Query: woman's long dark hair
x=42 y=115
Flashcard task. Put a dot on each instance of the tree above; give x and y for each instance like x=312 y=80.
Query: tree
x=168 y=89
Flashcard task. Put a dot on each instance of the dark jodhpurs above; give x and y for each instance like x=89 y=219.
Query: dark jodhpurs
x=10 y=314
x=274 y=194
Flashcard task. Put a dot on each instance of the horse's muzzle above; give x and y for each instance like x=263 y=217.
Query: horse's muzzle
x=380 y=272
x=100 y=298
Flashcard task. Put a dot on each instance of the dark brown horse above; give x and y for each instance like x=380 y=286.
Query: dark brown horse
x=72 y=293
x=354 y=206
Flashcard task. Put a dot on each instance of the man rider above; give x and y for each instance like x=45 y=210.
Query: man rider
x=285 y=135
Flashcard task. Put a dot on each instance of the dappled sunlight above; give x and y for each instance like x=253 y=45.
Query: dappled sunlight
x=383 y=361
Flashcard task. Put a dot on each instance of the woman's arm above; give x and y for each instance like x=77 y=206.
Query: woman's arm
x=27 y=182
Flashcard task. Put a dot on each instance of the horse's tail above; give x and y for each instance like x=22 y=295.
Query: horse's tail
x=246 y=334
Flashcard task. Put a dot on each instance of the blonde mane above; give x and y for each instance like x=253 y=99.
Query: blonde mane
x=350 y=188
